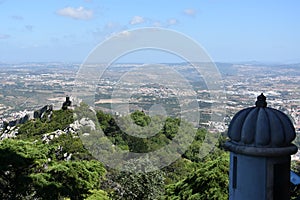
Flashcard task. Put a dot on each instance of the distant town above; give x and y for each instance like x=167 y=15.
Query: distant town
x=30 y=86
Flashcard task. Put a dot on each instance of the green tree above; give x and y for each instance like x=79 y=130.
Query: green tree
x=68 y=179
x=136 y=184
x=71 y=145
x=210 y=181
x=19 y=159
x=98 y=195
x=29 y=170
x=34 y=128
x=179 y=170
x=171 y=127
x=140 y=118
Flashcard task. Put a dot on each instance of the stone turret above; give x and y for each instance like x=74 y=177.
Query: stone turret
x=260 y=145
x=67 y=103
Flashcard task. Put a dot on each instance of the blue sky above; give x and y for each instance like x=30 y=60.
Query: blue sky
x=229 y=30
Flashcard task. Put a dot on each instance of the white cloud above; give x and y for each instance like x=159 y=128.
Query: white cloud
x=4 y=36
x=172 y=22
x=137 y=20
x=76 y=13
x=122 y=34
x=157 y=24
x=125 y=34
x=190 y=12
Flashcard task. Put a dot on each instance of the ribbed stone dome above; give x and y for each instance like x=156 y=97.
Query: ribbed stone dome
x=260 y=127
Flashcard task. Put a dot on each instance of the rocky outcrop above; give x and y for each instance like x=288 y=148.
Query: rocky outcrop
x=47 y=137
x=73 y=129
x=15 y=122
x=46 y=110
x=10 y=132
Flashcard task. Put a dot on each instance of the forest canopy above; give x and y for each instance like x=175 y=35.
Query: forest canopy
x=33 y=168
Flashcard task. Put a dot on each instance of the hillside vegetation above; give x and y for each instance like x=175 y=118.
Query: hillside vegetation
x=47 y=160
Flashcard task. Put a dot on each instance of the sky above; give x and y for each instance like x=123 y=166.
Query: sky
x=228 y=30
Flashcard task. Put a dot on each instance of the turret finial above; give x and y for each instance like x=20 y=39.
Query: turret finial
x=261 y=101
